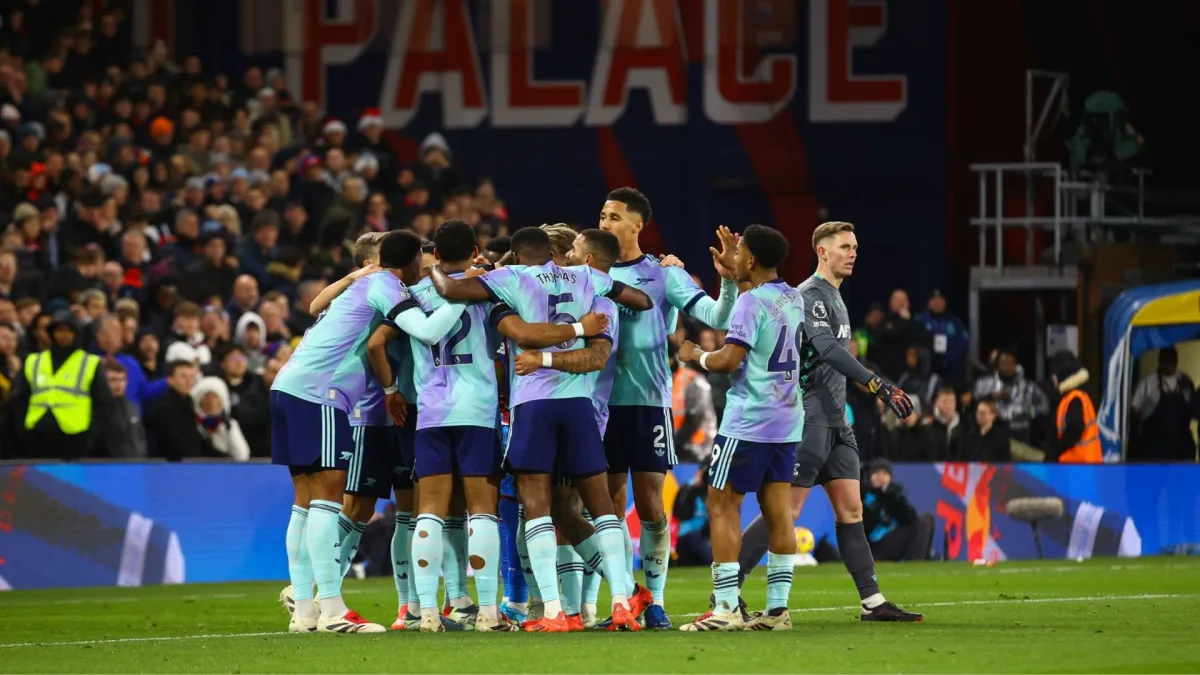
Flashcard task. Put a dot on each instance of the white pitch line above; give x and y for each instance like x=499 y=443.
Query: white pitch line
x=1018 y=601
x=221 y=636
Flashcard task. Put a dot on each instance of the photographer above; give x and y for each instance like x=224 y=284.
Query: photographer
x=894 y=529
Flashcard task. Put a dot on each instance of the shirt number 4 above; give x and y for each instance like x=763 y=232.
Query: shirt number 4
x=783 y=357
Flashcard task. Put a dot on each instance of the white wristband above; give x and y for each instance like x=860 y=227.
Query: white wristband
x=578 y=329
x=547 y=359
x=704 y=360
x=391 y=389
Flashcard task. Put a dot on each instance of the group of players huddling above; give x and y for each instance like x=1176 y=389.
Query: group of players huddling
x=395 y=389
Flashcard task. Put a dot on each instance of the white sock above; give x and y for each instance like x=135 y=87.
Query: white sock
x=553 y=608
x=869 y=602
x=590 y=607
x=519 y=606
x=333 y=607
x=305 y=609
x=462 y=602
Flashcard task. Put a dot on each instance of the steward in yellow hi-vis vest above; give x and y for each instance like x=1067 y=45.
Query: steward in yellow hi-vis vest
x=63 y=397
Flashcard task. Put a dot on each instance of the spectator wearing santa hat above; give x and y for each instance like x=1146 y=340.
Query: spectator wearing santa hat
x=370 y=140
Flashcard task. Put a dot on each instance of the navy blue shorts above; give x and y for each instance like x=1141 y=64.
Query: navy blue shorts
x=309 y=436
x=557 y=437
x=639 y=438
x=376 y=459
x=406 y=437
x=745 y=465
x=461 y=451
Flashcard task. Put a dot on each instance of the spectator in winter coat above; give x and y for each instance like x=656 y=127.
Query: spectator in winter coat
x=989 y=439
x=135 y=387
x=211 y=275
x=122 y=434
x=220 y=431
x=173 y=421
x=248 y=399
x=917 y=380
x=945 y=427
x=911 y=440
x=251 y=335
x=949 y=335
x=895 y=334
x=1017 y=399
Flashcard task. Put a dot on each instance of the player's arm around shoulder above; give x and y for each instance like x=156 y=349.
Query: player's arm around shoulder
x=614 y=290
x=587 y=360
x=543 y=335
x=467 y=289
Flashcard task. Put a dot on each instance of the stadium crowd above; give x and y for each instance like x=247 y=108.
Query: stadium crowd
x=175 y=225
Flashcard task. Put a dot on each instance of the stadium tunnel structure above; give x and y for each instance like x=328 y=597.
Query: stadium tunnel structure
x=1140 y=319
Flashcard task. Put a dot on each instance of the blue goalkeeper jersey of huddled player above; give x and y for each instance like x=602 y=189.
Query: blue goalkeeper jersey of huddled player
x=763 y=404
x=643 y=369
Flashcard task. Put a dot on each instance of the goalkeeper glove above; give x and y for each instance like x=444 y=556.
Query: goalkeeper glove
x=894 y=397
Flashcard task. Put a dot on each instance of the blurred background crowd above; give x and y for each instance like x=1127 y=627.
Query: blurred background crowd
x=175 y=223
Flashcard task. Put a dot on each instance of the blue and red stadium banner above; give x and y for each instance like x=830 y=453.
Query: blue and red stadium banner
x=118 y=524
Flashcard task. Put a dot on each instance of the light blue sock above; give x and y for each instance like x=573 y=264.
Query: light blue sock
x=414 y=599
x=780 y=567
x=612 y=551
x=725 y=588
x=628 y=554
x=350 y=545
x=400 y=566
x=655 y=545
x=483 y=544
x=454 y=562
x=299 y=564
x=427 y=552
x=323 y=537
x=570 y=578
x=540 y=540
x=531 y=586
x=591 y=578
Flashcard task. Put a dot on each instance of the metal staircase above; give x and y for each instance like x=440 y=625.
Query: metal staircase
x=1086 y=209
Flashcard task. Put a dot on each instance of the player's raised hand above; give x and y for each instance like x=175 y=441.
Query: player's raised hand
x=669 y=260
x=893 y=397
x=594 y=324
x=528 y=362
x=369 y=268
x=723 y=260
x=397 y=407
x=689 y=352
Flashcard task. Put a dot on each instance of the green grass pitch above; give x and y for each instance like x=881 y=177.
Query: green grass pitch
x=1053 y=616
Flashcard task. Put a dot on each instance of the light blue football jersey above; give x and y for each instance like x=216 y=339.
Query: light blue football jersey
x=763 y=404
x=329 y=365
x=602 y=380
x=548 y=294
x=370 y=410
x=643 y=370
x=457 y=376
